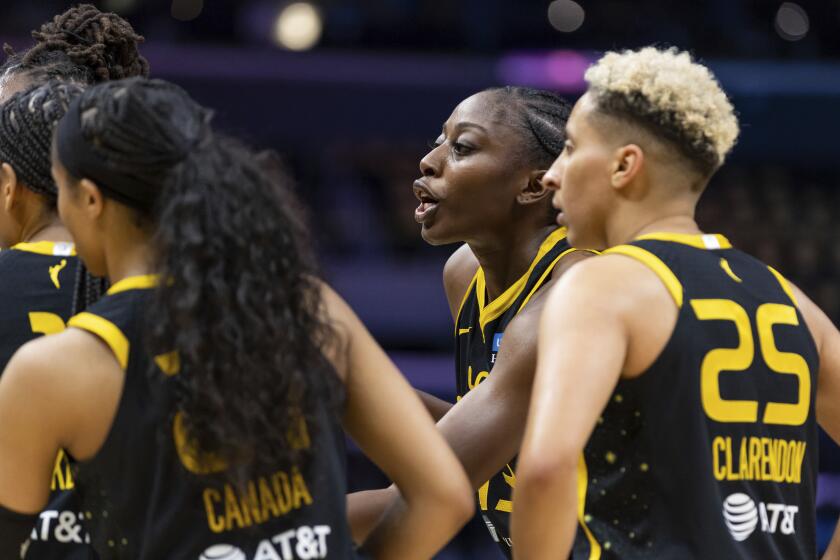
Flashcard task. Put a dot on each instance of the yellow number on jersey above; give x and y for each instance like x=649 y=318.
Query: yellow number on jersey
x=741 y=358
x=786 y=363
x=725 y=359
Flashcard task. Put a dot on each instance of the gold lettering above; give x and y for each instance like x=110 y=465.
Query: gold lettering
x=718 y=445
x=250 y=505
x=765 y=459
x=766 y=473
x=743 y=462
x=299 y=489
x=232 y=512
x=215 y=522
x=282 y=491
x=755 y=459
x=269 y=505
x=62 y=478
x=730 y=475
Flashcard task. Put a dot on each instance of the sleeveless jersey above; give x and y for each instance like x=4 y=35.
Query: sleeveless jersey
x=711 y=452
x=479 y=331
x=149 y=498
x=37 y=281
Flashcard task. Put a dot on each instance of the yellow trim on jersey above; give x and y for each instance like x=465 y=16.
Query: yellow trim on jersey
x=107 y=331
x=784 y=284
x=547 y=271
x=699 y=241
x=52 y=248
x=582 y=481
x=134 y=283
x=495 y=308
x=464 y=300
x=654 y=263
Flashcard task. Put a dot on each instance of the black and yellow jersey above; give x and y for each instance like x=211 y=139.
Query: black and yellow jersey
x=479 y=330
x=37 y=282
x=147 y=497
x=712 y=451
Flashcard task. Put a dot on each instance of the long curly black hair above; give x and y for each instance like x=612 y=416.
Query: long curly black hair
x=241 y=303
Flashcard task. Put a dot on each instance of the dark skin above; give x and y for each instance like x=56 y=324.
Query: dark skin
x=477 y=189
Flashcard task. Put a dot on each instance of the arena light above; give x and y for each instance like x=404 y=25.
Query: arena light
x=566 y=15
x=792 y=22
x=298 y=26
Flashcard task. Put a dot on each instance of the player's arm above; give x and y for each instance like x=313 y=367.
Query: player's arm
x=583 y=344
x=49 y=402
x=485 y=428
x=827 y=340
x=389 y=423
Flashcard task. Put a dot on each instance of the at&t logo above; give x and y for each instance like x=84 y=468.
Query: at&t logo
x=741 y=515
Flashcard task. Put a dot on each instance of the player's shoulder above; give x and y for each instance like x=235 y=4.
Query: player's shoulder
x=458 y=272
x=67 y=364
x=461 y=265
x=622 y=282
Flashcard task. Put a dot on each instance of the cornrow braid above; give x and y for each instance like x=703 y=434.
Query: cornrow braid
x=102 y=42
x=542 y=116
x=27 y=121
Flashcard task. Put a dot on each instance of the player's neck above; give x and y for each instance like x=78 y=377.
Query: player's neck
x=50 y=229
x=505 y=258
x=128 y=254
x=674 y=223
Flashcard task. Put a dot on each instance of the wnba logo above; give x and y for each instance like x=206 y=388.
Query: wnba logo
x=222 y=552
x=741 y=516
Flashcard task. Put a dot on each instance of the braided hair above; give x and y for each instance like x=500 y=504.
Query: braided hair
x=241 y=304
x=541 y=117
x=27 y=121
x=85 y=46
x=81 y=44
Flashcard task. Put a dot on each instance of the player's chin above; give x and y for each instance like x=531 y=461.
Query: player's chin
x=577 y=237
x=435 y=233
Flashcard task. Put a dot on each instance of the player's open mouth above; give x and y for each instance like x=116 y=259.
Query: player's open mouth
x=428 y=202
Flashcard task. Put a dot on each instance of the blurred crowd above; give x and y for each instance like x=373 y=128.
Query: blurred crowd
x=782 y=215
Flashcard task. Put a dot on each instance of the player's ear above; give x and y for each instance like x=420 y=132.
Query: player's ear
x=627 y=165
x=534 y=190
x=9 y=186
x=90 y=198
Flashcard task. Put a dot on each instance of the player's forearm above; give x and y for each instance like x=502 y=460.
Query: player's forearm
x=436 y=407
x=366 y=508
x=544 y=514
x=416 y=529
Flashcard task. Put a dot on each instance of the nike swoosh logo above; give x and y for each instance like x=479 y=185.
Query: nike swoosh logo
x=464 y=331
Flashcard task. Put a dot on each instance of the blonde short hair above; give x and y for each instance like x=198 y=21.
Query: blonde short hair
x=670 y=94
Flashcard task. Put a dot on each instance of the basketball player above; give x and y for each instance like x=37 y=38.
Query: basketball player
x=678 y=419
x=204 y=408
x=40 y=282
x=482 y=185
x=38 y=274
